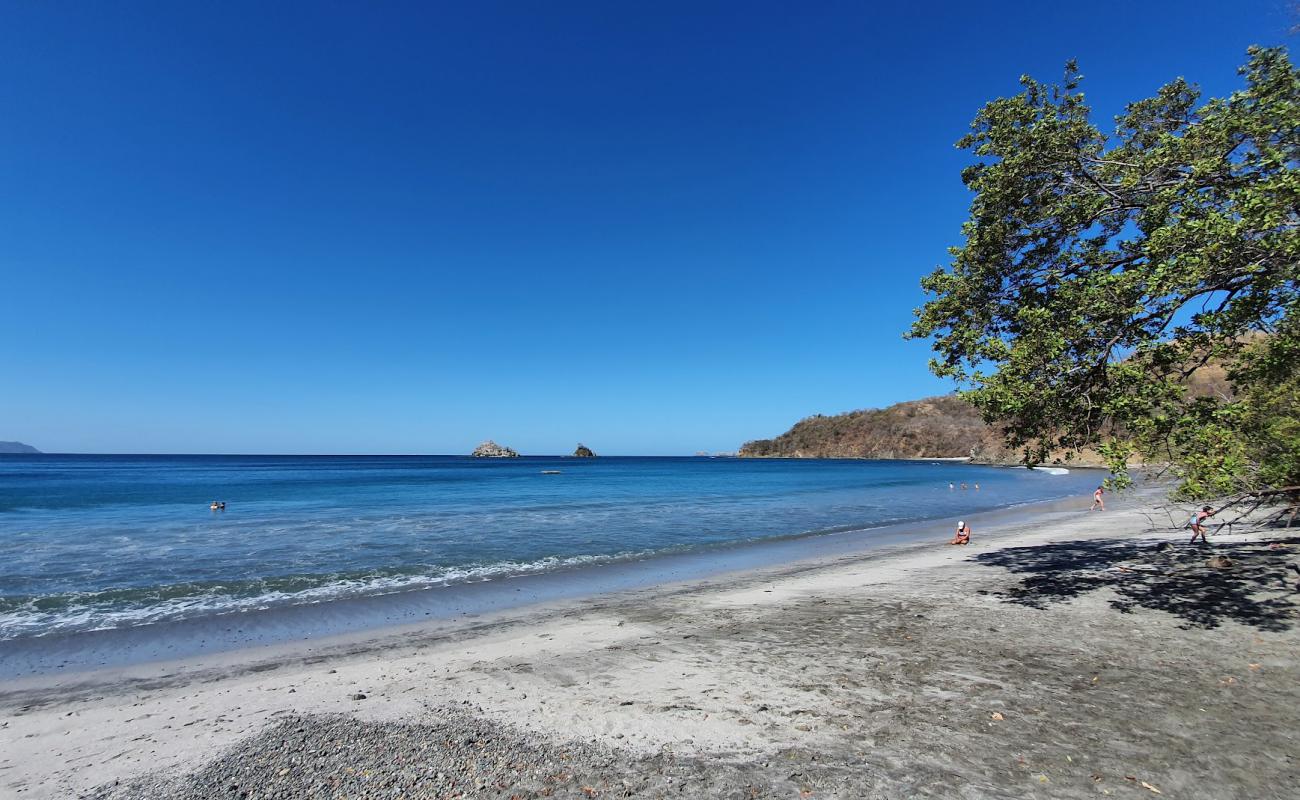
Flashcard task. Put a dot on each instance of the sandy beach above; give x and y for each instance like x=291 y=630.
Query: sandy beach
x=1068 y=655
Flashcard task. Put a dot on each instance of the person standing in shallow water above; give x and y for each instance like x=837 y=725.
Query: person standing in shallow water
x=1098 y=504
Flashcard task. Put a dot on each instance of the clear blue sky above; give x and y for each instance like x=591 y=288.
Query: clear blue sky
x=404 y=228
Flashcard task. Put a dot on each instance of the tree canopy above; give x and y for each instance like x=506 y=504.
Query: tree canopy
x=1102 y=272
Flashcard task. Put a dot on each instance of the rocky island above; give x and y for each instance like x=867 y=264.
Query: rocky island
x=17 y=447
x=491 y=449
x=583 y=451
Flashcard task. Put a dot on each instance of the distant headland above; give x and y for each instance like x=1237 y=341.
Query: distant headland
x=17 y=447
x=934 y=427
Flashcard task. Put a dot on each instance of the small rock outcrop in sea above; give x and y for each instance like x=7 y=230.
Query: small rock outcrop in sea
x=583 y=451
x=17 y=447
x=491 y=449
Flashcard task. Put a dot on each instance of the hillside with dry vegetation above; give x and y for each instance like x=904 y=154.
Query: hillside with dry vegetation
x=934 y=427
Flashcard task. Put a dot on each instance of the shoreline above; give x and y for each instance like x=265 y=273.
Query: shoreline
x=25 y=660
x=843 y=676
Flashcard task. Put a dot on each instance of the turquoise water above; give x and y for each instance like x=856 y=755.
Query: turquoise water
x=95 y=542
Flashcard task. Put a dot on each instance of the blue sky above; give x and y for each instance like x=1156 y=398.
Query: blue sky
x=405 y=228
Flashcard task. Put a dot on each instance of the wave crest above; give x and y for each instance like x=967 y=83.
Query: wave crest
x=107 y=609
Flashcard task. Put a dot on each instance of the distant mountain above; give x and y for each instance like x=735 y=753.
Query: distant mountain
x=17 y=447
x=936 y=427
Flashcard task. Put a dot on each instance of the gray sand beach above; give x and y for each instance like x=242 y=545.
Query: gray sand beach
x=1071 y=655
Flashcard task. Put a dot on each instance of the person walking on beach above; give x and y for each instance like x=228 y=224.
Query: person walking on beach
x=1197 y=524
x=963 y=534
x=1098 y=504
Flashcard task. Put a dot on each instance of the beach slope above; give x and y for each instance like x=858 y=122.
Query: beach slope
x=1074 y=655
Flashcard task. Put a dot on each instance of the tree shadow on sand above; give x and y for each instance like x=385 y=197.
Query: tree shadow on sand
x=1257 y=586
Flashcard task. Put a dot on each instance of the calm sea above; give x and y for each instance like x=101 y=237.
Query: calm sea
x=94 y=542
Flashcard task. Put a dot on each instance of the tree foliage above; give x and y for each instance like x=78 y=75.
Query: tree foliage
x=1100 y=271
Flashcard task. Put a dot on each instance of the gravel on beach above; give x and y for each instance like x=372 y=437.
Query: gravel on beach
x=460 y=755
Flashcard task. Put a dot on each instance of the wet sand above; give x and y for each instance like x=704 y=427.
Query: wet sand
x=1068 y=655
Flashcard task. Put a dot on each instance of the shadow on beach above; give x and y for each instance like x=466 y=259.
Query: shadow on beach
x=1255 y=586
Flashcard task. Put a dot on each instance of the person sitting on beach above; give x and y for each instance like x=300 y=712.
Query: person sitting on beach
x=1197 y=524
x=963 y=534
x=1097 y=502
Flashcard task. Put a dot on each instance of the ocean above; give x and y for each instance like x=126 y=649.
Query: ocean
x=96 y=542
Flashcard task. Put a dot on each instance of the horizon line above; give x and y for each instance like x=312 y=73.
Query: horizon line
x=701 y=454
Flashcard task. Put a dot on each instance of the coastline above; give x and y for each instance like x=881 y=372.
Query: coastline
x=308 y=531
x=310 y=627
x=803 y=676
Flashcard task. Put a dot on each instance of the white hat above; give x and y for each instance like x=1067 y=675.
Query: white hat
x=960 y=524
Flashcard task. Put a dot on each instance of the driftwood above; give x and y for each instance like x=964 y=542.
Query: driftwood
x=1246 y=503
x=1254 y=499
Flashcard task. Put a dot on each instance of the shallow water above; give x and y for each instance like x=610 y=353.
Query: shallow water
x=98 y=542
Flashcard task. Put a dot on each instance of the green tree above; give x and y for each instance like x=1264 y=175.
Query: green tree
x=1100 y=272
